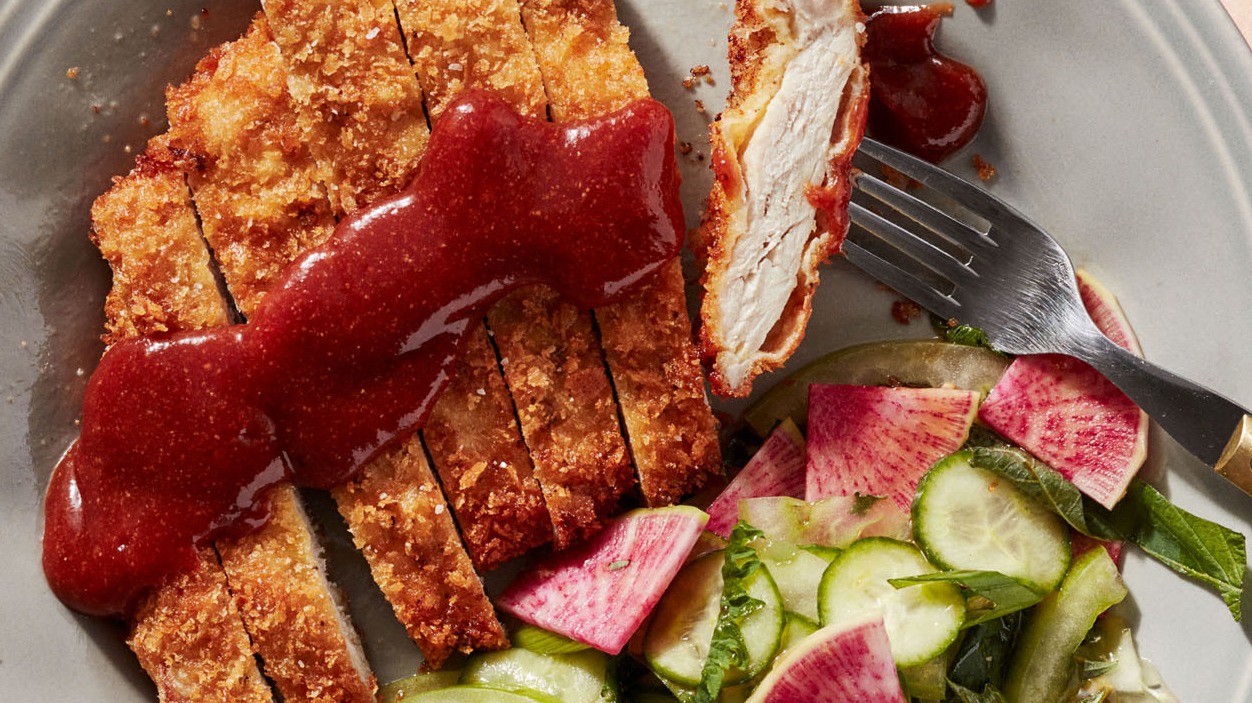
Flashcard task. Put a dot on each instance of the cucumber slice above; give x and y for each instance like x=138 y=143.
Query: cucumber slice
x=677 y=641
x=921 y=621
x=965 y=517
x=796 y=572
x=474 y=694
x=1043 y=663
x=579 y=677
x=910 y=363
x=542 y=641
x=795 y=628
x=402 y=689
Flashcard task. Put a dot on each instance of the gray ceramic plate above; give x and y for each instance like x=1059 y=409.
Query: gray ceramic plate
x=1122 y=126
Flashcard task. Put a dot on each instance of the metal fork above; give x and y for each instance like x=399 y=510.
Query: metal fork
x=1002 y=273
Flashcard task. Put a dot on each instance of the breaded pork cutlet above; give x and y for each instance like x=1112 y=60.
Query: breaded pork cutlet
x=356 y=100
x=259 y=185
x=548 y=351
x=253 y=184
x=782 y=154
x=187 y=634
x=588 y=70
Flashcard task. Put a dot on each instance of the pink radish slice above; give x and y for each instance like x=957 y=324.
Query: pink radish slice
x=879 y=441
x=777 y=469
x=848 y=661
x=1080 y=544
x=1067 y=414
x=599 y=592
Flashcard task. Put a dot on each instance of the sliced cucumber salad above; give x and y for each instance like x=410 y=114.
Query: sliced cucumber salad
x=988 y=586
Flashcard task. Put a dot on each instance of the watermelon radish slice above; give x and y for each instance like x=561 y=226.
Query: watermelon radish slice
x=1067 y=414
x=879 y=441
x=777 y=469
x=849 y=661
x=834 y=522
x=599 y=592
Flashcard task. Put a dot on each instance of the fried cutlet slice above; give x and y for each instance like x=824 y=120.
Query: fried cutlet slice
x=477 y=449
x=782 y=155
x=145 y=227
x=233 y=129
x=402 y=525
x=550 y=356
x=647 y=339
x=258 y=184
x=297 y=618
x=254 y=181
x=359 y=108
x=188 y=634
x=189 y=639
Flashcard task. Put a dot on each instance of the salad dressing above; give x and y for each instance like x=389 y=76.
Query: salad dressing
x=182 y=434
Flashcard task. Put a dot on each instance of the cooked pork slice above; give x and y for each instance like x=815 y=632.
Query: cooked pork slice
x=478 y=451
x=551 y=359
x=189 y=639
x=188 y=634
x=295 y=615
x=359 y=107
x=162 y=276
x=782 y=151
x=257 y=183
x=402 y=525
x=588 y=69
x=254 y=180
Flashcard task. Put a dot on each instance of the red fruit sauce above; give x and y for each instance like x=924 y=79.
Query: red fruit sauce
x=182 y=434
x=920 y=100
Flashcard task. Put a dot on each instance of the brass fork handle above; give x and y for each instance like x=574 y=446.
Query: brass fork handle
x=1210 y=426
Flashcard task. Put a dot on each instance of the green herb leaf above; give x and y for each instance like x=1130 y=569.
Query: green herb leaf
x=1004 y=594
x=862 y=503
x=984 y=652
x=990 y=694
x=968 y=335
x=1188 y=544
x=728 y=648
x=1092 y=668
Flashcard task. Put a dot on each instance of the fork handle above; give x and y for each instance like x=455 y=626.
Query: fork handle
x=1213 y=428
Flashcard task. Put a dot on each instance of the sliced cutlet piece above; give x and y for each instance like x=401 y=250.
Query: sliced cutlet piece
x=477 y=449
x=550 y=356
x=188 y=634
x=647 y=338
x=253 y=179
x=402 y=525
x=253 y=183
x=358 y=105
x=258 y=187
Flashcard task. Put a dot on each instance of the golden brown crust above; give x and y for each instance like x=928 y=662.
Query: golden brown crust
x=277 y=578
x=360 y=108
x=401 y=523
x=647 y=339
x=471 y=43
x=146 y=229
x=188 y=637
x=761 y=43
x=555 y=371
x=486 y=471
x=233 y=128
x=588 y=67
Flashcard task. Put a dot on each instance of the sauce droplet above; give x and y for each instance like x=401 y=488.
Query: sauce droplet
x=921 y=101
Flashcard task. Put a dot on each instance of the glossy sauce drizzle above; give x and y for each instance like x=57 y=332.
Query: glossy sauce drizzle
x=920 y=100
x=182 y=434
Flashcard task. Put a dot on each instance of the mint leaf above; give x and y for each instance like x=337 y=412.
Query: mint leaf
x=983 y=655
x=967 y=335
x=728 y=649
x=1190 y=545
x=992 y=595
